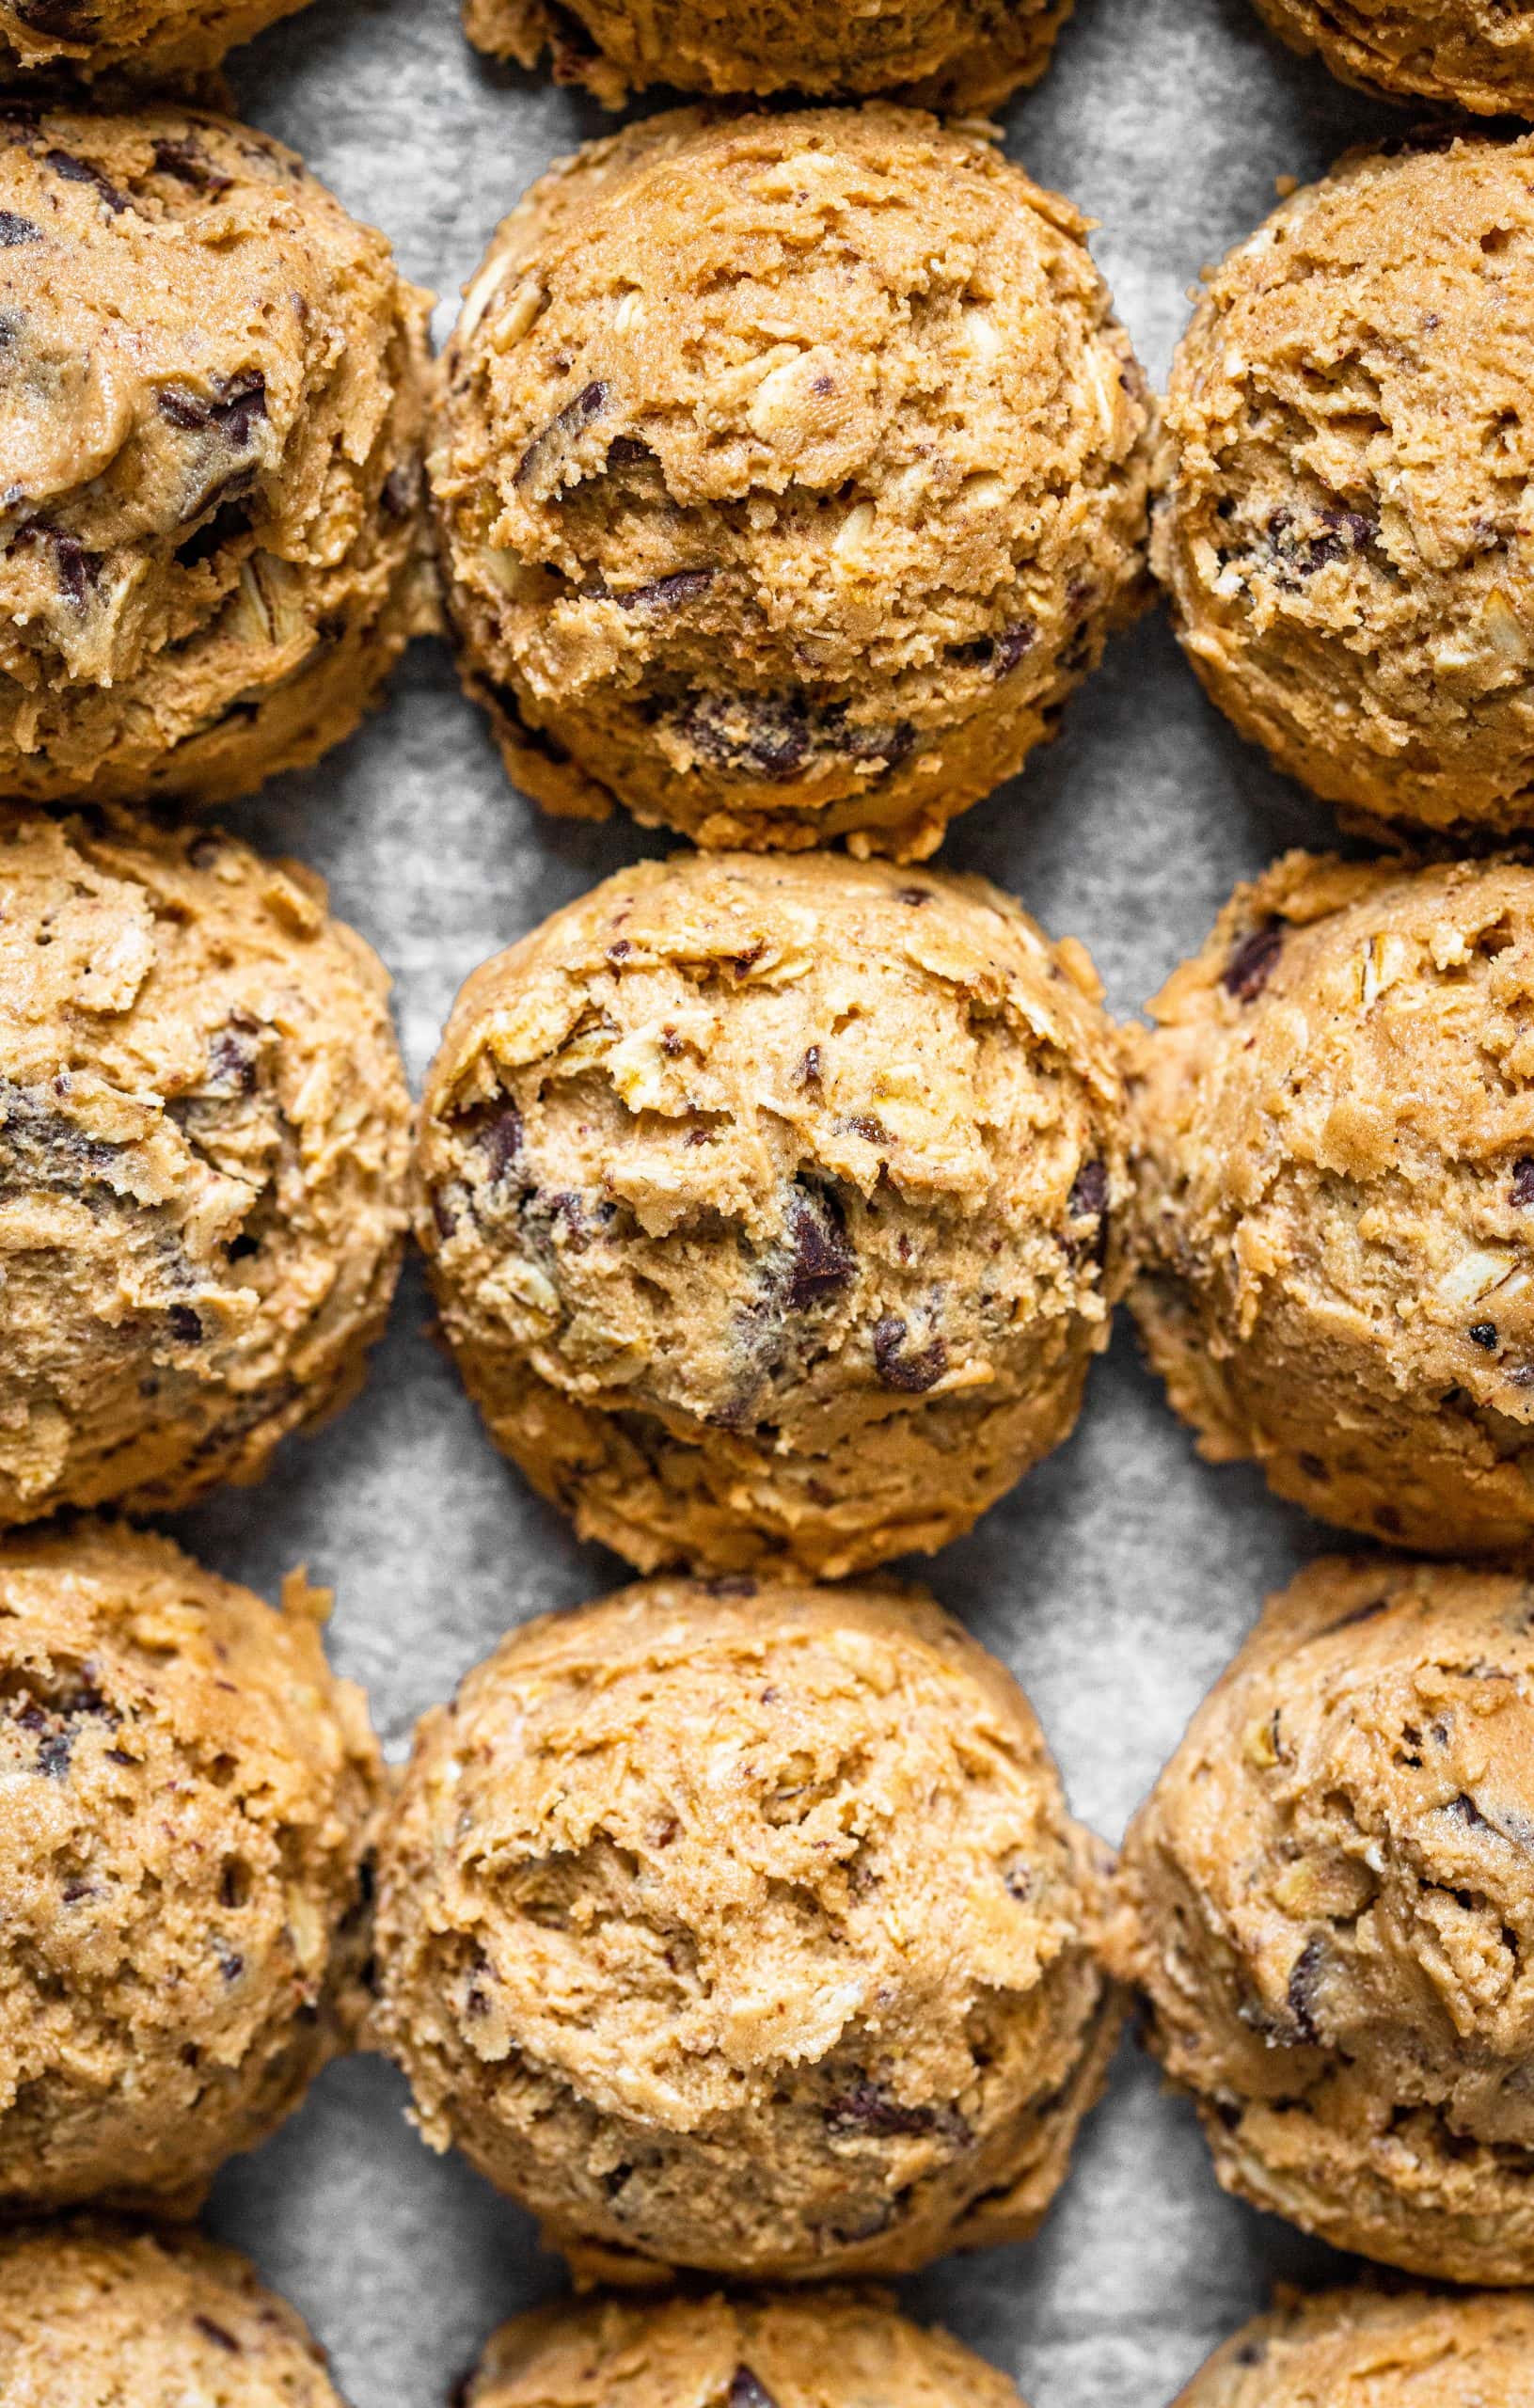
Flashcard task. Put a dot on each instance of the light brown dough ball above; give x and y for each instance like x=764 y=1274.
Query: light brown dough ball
x=746 y=1929
x=211 y=541
x=790 y=471
x=768 y=1205
x=203 y=1142
x=1329 y=1899
x=1406 y=2350
x=1467 y=53
x=144 y=40
x=826 y=2348
x=185 y=1795
x=1332 y=1125
x=945 y=54
x=1348 y=439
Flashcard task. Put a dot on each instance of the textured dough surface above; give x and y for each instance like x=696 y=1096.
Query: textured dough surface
x=1342 y=527
x=768 y=1205
x=837 y=2349
x=147 y=40
x=94 y=2315
x=1328 y=1899
x=1474 y=54
x=944 y=54
x=203 y=1143
x=211 y=406
x=1414 y=2349
x=745 y=1929
x=790 y=471
x=185 y=1794
x=1333 y=1130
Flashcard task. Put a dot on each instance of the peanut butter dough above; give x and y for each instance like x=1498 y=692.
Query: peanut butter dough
x=211 y=404
x=1333 y=1126
x=768 y=1205
x=1466 y=53
x=1343 y=528
x=144 y=40
x=745 y=1929
x=832 y=2348
x=185 y=1794
x=1327 y=1899
x=1369 y=2349
x=791 y=469
x=945 y=54
x=203 y=1138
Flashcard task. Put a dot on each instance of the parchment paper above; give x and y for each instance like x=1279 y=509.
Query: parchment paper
x=1119 y=1578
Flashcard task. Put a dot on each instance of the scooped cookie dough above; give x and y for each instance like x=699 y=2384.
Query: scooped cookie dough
x=1406 y=2350
x=769 y=1204
x=1343 y=527
x=745 y=1929
x=1466 y=53
x=1333 y=1126
x=145 y=40
x=1328 y=1899
x=833 y=2349
x=945 y=54
x=791 y=469
x=210 y=538
x=205 y=1132
x=185 y=1795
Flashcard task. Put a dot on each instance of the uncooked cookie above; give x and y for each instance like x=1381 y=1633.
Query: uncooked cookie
x=203 y=1139
x=945 y=54
x=1348 y=439
x=210 y=527
x=185 y=1793
x=147 y=40
x=791 y=469
x=1333 y=1126
x=745 y=1929
x=768 y=1205
x=1329 y=1898
x=1466 y=53
x=831 y=2349
x=1405 y=2350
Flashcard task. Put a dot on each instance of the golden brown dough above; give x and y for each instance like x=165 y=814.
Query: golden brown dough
x=203 y=1138
x=1349 y=440
x=185 y=1790
x=745 y=1929
x=1466 y=53
x=1333 y=1129
x=769 y=1204
x=1411 y=2350
x=791 y=471
x=210 y=537
x=163 y=41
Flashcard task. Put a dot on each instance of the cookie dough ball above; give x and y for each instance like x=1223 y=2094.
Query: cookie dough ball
x=210 y=532
x=204 y=1124
x=745 y=1929
x=790 y=471
x=1329 y=1899
x=837 y=2349
x=184 y=1796
x=1407 y=2350
x=1333 y=1123
x=1350 y=436
x=148 y=40
x=947 y=54
x=769 y=1206
x=1465 y=54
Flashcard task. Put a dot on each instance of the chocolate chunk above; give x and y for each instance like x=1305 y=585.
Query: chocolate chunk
x=1252 y=960
x=748 y=2390
x=1305 y=1984
x=627 y=451
x=730 y=1584
x=500 y=1141
x=1521 y=1190
x=1010 y=647
x=66 y=20
x=218 y=2333
x=808 y=1068
x=1465 y=1811
x=872 y=2107
x=54 y=1754
x=1483 y=1334
x=75 y=568
x=187 y=163
x=916 y=1372
x=185 y=1326
x=545 y=456
x=824 y=1262
x=914 y=895
x=234 y=408
x=234 y=1057
x=15 y=231
x=864 y=1125
x=81 y=171
x=750 y=736
x=668 y=593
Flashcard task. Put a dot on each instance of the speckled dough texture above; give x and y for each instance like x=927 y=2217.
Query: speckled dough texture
x=210 y=538
x=1332 y=1133
x=141 y=40
x=745 y=1929
x=97 y=2316
x=1474 y=54
x=791 y=469
x=186 y=1792
x=1328 y=1901
x=1343 y=528
x=1417 y=2350
x=835 y=2349
x=768 y=1205
x=203 y=1141
x=945 y=54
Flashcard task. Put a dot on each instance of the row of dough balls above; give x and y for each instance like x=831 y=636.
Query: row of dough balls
x=775 y=1207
